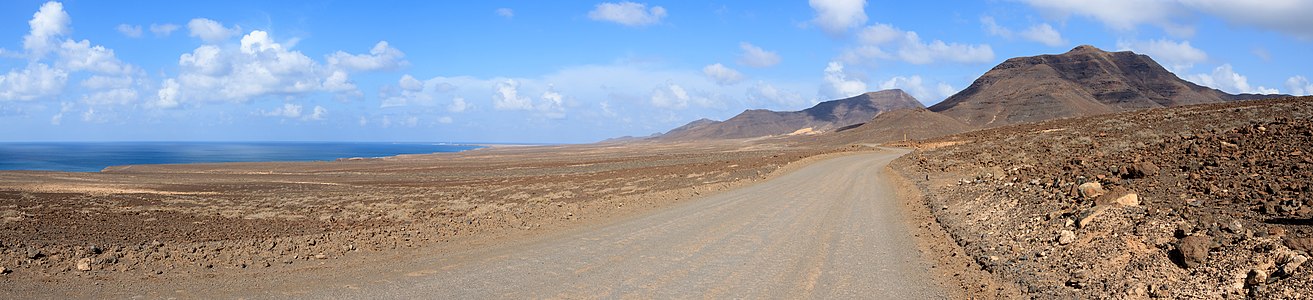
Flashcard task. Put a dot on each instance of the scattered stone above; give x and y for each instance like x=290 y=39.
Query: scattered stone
x=1087 y=217
x=1142 y=169
x=1235 y=226
x=1066 y=237
x=1300 y=244
x=1091 y=190
x=4 y=270
x=1291 y=263
x=1193 y=250
x=1255 y=277
x=321 y=256
x=1119 y=196
x=34 y=253
x=84 y=264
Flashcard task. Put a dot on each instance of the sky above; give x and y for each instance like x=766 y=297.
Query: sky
x=566 y=71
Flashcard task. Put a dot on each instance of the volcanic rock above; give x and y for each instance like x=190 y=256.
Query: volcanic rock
x=1084 y=81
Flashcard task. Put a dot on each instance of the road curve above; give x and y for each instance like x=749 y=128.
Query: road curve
x=832 y=229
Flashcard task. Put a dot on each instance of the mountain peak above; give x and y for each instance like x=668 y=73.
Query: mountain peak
x=1083 y=81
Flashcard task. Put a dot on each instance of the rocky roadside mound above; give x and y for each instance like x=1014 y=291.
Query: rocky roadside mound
x=1205 y=201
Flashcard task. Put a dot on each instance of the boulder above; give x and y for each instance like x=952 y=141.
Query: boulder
x=1193 y=250
x=1066 y=237
x=84 y=264
x=1141 y=170
x=1119 y=196
x=1091 y=190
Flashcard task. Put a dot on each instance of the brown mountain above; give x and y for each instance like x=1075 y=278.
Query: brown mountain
x=825 y=116
x=1083 y=81
x=897 y=125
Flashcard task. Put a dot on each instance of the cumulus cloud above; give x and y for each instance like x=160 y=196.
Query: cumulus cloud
x=756 y=57
x=1299 y=86
x=132 y=31
x=507 y=96
x=916 y=86
x=1042 y=33
x=838 y=84
x=381 y=57
x=838 y=16
x=458 y=105
x=910 y=48
x=505 y=12
x=1179 y=56
x=38 y=80
x=318 y=113
x=44 y=77
x=261 y=67
x=163 y=30
x=670 y=96
x=1226 y=79
x=211 y=31
x=47 y=25
x=627 y=13
x=722 y=75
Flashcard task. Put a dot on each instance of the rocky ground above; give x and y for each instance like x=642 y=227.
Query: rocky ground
x=186 y=221
x=1207 y=201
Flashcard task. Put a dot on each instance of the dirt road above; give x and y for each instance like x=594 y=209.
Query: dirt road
x=829 y=230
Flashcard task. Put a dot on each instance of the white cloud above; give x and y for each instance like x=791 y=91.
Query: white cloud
x=259 y=67
x=1299 y=86
x=838 y=85
x=163 y=30
x=47 y=25
x=288 y=110
x=837 y=16
x=916 y=86
x=318 y=113
x=132 y=31
x=115 y=96
x=916 y=52
x=506 y=96
x=910 y=48
x=37 y=80
x=1121 y=15
x=58 y=118
x=1288 y=16
x=1042 y=33
x=1179 y=56
x=458 y=105
x=78 y=56
x=670 y=96
x=722 y=75
x=445 y=120
x=761 y=93
x=505 y=12
x=1226 y=79
x=627 y=13
x=381 y=57
x=212 y=31
x=754 y=56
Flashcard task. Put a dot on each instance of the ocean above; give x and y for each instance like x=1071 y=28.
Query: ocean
x=94 y=156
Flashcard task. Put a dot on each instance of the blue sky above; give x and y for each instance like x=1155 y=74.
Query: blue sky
x=566 y=71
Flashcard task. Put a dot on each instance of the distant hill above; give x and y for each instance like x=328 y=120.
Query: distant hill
x=825 y=116
x=909 y=123
x=1083 y=81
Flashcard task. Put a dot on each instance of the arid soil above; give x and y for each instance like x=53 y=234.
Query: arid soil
x=142 y=223
x=1205 y=201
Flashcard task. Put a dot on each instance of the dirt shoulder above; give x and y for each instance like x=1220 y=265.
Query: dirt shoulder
x=1208 y=201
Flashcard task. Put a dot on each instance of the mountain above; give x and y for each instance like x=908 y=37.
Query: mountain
x=1083 y=81
x=825 y=116
x=903 y=124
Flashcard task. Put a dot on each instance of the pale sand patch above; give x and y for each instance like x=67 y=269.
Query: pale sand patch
x=100 y=189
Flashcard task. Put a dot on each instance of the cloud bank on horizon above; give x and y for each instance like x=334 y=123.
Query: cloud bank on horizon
x=568 y=72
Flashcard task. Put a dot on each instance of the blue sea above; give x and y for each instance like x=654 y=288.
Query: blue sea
x=94 y=156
